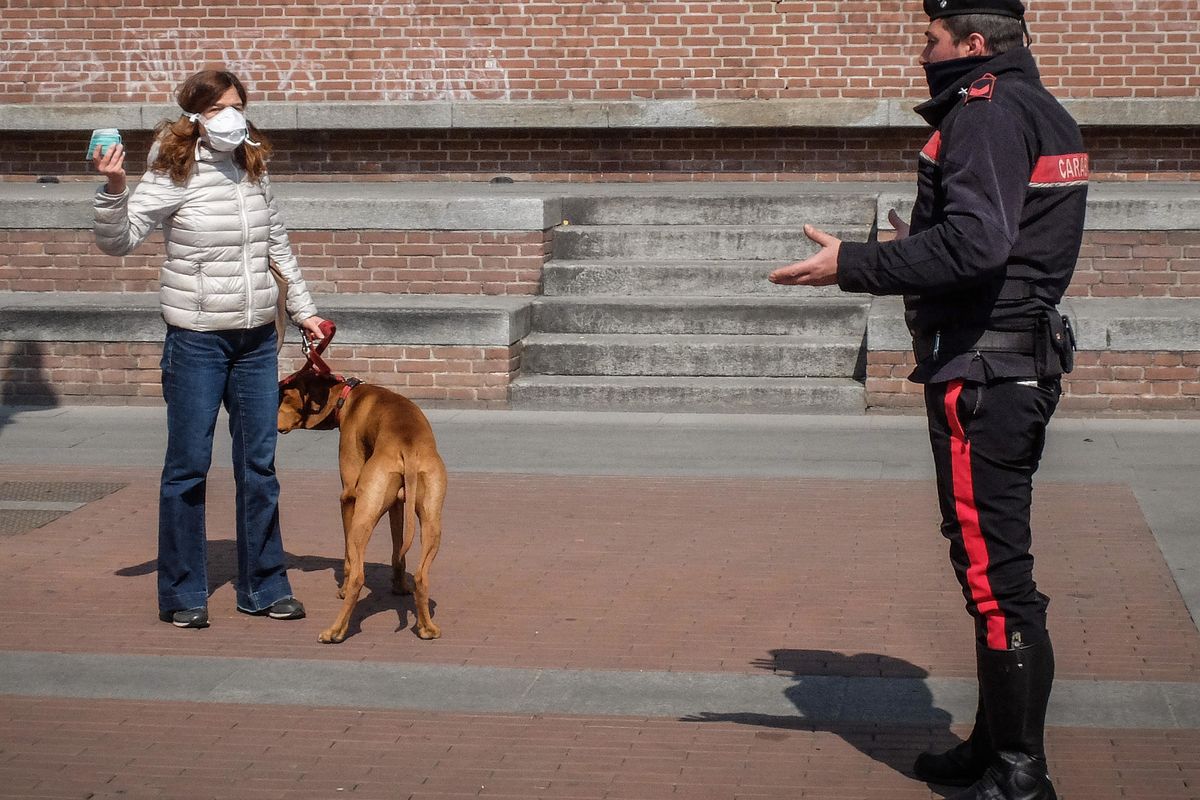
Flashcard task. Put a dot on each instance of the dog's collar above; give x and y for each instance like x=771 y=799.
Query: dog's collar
x=347 y=387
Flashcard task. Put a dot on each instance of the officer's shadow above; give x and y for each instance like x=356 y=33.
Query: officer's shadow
x=376 y=596
x=878 y=704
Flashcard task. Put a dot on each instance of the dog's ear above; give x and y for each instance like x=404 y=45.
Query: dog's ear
x=318 y=402
x=290 y=405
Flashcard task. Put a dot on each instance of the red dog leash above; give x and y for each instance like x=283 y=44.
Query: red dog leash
x=315 y=364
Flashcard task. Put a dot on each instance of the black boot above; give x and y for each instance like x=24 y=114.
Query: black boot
x=1015 y=686
x=962 y=764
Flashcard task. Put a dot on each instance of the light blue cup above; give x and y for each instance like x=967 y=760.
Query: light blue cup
x=105 y=138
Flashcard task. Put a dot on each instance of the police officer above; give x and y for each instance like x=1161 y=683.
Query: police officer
x=986 y=258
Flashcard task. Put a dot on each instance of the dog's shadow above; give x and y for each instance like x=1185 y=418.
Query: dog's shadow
x=877 y=704
x=376 y=597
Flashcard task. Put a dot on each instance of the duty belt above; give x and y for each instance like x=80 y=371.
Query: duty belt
x=952 y=341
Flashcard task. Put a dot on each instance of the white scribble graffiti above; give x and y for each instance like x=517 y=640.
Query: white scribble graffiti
x=149 y=68
x=42 y=68
x=476 y=74
x=277 y=69
x=156 y=66
x=470 y=73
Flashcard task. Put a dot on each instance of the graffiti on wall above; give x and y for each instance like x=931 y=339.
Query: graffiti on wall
x=156 y=65
x=36 y=63
x=149 y=67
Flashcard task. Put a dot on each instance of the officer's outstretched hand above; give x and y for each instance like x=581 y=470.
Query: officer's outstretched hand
x=898 y=223
x=819 y=269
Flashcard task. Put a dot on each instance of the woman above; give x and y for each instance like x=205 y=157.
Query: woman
x=207 y=187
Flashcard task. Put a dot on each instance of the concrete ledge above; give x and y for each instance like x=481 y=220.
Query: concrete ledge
x=721 y=113
x=467 y=320
x=323 y=206
x=532 y=206
x=1101 y=323
x=1123 y=207
x=349 y=206
x=1111 y=206
x=450 y=319
x=1136 y=323
x=1118 y=324
x=886 y=331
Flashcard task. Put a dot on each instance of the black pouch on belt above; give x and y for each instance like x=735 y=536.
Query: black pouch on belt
x=1054 y=345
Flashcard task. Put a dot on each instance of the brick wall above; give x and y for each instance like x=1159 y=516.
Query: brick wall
x=1138 y=264
x=334 y=262
x=1110 y=382
x=119 y=373
x=379 y=50
x=595 y=155
x=127 y=373
x=476 y=377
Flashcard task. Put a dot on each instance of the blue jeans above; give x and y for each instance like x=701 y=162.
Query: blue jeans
x=200 y=371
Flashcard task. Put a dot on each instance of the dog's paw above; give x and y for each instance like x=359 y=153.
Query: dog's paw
x=403 y=585
x=332 y=636
x=429 y=631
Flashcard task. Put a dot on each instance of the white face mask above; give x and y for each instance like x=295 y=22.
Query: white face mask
x=225 y=131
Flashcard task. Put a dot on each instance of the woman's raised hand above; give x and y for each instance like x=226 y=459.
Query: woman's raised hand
x=112 y=166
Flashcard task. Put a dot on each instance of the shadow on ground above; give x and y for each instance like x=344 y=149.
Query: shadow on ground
x=377 y=596
x=890 y=721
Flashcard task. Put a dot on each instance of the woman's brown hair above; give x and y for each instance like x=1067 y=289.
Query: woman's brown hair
x=177 y=139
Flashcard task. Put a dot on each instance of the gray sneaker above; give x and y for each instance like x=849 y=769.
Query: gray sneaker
x=287 y=608
x=188 y=617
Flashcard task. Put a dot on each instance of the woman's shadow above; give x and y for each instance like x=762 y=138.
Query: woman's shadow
x=378 y=597
x=878 y=704
x=29 y=386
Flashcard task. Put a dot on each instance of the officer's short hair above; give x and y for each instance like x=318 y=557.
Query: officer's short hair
x=1000 y=33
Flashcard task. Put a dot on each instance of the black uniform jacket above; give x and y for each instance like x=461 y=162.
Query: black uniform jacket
x=997 y=225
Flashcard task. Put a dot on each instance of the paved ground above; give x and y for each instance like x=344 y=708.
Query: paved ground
x=633 y=606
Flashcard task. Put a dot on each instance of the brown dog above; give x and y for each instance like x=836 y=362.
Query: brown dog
x=389 y=462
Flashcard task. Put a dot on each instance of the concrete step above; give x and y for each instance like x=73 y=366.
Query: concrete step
x=693 y=355
x=678 y=242
x=445 y=319
x=695 y=278
x=806 y=204
x=833 y=316
x=689 y=394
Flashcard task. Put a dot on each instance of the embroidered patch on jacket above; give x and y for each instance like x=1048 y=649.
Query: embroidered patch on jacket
x=982 y=89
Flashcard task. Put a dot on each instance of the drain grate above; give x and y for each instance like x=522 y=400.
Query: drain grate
x=26 y=505
x=14 y=522
x=56 y=491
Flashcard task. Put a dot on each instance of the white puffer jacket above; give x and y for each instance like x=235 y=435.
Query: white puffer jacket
x=220 y=229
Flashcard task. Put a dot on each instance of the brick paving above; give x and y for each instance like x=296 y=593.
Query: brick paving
x=101 y=749
x=812 y=577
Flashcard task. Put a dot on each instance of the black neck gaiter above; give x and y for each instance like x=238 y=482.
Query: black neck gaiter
x=941 y=75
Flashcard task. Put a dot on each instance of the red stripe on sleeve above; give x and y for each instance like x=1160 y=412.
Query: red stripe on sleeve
x=1063 y=170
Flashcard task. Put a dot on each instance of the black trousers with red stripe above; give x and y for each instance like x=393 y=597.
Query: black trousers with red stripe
x=987 y=442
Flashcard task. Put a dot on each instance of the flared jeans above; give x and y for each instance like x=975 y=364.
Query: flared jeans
x=201 y=370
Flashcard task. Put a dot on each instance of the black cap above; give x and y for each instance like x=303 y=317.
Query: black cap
x=937 y=9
